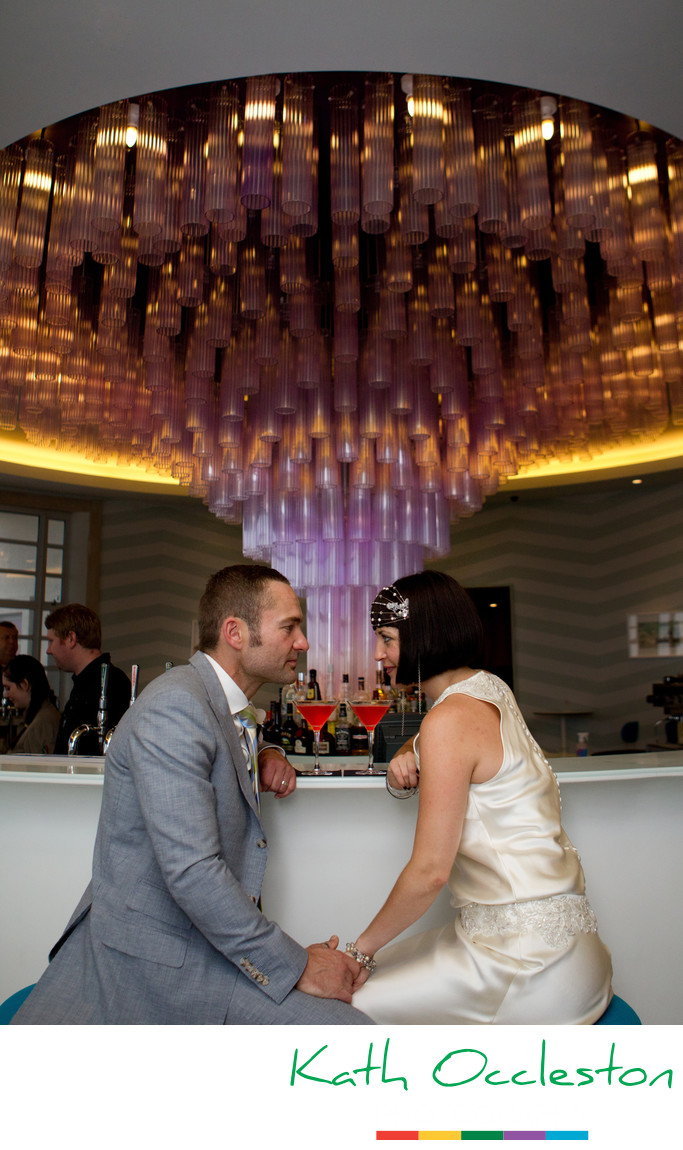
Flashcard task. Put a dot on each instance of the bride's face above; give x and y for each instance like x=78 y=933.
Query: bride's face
x=387 y=650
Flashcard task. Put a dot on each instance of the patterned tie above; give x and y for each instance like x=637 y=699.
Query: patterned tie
x=247 y=717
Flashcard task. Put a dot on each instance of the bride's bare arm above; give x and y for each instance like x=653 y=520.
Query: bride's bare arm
x=451 y=739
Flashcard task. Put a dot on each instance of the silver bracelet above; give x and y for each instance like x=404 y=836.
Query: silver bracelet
x=363 y=959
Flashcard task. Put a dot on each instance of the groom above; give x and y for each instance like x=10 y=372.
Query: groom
x=169 y=930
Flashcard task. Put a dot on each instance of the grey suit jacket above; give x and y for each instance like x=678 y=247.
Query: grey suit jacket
x=169 y=927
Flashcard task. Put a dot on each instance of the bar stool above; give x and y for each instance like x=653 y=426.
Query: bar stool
x=618 y=1013
x=10 y=1006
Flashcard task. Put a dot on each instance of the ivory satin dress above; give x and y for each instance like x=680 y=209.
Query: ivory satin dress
x=523 y=946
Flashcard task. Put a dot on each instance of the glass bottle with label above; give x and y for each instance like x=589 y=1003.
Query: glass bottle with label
x=343 y=731
x=303 y=739
x=313 y=687
x=288 y=731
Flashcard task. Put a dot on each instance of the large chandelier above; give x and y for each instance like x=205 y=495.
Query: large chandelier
x=342 y=310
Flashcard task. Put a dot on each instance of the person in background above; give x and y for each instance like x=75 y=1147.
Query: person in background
x=9 y=643
x=25 y=685
x=170 y=930
x=75 y=643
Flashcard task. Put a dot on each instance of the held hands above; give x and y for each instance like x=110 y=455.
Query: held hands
x=275 y=773
x=330 y=973
x=402 y=770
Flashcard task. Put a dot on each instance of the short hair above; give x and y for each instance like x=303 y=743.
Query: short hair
x=240 y=590
x=10 y=626
x=26 y=667
x=84 y=623
x=443 y=630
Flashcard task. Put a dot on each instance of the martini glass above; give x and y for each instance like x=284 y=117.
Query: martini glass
x=370 y=714
x=316 y=713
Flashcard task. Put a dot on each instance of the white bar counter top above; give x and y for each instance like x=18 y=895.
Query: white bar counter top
x=334 y=853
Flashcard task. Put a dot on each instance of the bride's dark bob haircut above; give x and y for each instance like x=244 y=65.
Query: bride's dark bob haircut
x=443 y=631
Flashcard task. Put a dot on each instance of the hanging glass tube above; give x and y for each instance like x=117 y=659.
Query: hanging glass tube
x=428 y=119
x=462 y=250
x=193 y=221
x=259 y=137
x=344 y=156
x=171 y=235
x=392 y=314
x=297 y=145
x=10 y=182
x=61 y=257
x=33 y=208
x=399 y=263
x=532 y=172
x=222 y=155
x=293 y=273
x=274 y=223
x=420 y=346
x=110 y=166
x=462 y=197
x=252 y=282
x=441 y=292
x=647 y=217
x=191 y=272
x=377 y=170
x=150 y=167
x=413 y=217
x=576 y=144
x=488 y=124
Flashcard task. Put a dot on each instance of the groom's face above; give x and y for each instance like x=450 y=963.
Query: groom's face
x=272 y=652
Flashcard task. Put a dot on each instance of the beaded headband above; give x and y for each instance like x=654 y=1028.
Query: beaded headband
x=389 y=608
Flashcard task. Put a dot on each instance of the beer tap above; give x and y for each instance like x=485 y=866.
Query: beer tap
x=134 y=673
x=101 y=726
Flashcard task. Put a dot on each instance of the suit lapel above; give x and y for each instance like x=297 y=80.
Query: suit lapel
x=219 y=706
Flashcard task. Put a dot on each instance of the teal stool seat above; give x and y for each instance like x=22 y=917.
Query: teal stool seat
x=618 y=1013
x=10 y=1006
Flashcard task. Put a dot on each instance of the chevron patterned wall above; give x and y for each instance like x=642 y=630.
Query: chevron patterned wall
x=156 y=559
x=576 y=564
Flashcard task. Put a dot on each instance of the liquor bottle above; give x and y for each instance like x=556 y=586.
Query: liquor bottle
x=342 y=730
x=303 y=739
x=288 y=731
x=329 y=682
x=297 y=690
x=313 y=689
x=276 y=728
x=361 y=695
x=327 y=745
x=344 y=690
x=359 y=739
x=379 y=692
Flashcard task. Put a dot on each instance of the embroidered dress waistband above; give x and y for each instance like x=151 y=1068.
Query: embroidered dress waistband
x=556 y=918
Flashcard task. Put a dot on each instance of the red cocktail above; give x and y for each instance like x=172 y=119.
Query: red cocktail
x=370 y=714
x=316 y=713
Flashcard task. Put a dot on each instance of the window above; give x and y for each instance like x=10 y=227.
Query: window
x=32 y=566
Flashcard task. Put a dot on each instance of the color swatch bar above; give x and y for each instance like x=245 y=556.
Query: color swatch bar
x=482 y=1135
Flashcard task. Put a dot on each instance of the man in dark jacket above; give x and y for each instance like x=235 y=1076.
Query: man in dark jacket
x=75 y=643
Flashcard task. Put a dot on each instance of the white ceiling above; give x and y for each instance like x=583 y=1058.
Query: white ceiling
x=60 y=57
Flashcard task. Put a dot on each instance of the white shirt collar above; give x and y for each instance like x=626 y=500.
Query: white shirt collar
x=234 y=695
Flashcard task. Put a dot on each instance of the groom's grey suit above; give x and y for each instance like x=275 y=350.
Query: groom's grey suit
x=169 y=931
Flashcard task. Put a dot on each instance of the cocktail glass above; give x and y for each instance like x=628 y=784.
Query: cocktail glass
x=316 y=713
x=370 y=714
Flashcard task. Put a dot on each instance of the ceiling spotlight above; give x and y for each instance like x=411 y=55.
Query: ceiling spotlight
x=636 y=481
x=548 y=110
x=133 y=122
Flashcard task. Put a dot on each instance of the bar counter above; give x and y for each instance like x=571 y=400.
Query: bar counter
x=337 y=845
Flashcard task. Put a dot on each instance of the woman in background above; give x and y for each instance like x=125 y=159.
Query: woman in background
x=26 y=686
x=523 y=945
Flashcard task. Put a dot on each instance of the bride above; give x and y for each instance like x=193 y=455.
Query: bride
x=523 y=946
